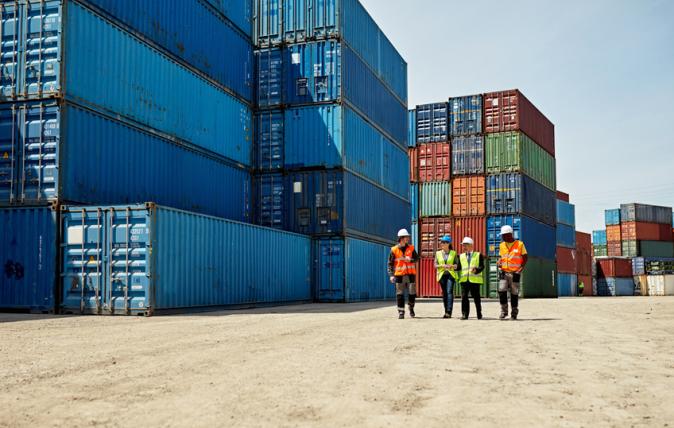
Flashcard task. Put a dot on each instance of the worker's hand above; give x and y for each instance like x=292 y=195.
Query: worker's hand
x=392 y=279
x=473 y=270
x=498 y=263
x=453 y=267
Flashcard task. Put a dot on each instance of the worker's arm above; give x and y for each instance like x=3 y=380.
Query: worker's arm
x=457 y=262
x=525 y=259
x=480 y=268
x=415 y=256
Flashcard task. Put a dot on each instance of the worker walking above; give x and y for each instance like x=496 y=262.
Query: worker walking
x=445 y=267
x=402 y=272
x=581 y=288
x=513 y=259
x=470 y=267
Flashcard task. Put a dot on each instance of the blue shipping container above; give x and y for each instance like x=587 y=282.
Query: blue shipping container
x=111 y=69
x=269 y=142
x=326 y=72
x=468 y=155
x=612 y=217
x=615 y=287
x=414 y=200
x=514 y=193
x=566 y=236
x=351 y=270
x=67 y=153
x=144 y=258
x=599 y=237
x=432 y=123
x=28 y=256
x=270 y=209
x=539 y=238
x=187 y=29
x=465 y=115
x=300 y=21
x=239 y=12
x=567 y=285
x=415 y=234
x=566 y=213
x=412 y=128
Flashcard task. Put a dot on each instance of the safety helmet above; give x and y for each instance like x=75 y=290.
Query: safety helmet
x=446 y=239
x=505 y=230
x=403 y=233
x=467 y=241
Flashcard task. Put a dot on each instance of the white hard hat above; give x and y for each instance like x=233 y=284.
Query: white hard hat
x=505 y=230
x=402 y=233
x=467 y=241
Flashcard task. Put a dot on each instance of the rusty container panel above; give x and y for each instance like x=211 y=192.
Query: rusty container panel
x=567 y=260
x=613 y=233
x=472 y=227
x=640 y=231
x=614 y=267
x=434 y=162
x=432 y=229
x=587 y=282
x=469 y=196
x=511 y=111
x=584 y=253
x=426 y=283
x=614 y=249
x=414 y=164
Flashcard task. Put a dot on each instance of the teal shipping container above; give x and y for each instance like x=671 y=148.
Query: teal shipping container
x=612 y=217
x=351 y=270
x=143 y=259
x=435 y=199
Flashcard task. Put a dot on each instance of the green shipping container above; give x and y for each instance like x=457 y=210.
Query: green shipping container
x=436 y=199
x=648 y=249
x=515 y=152
x=538 y=279
x=600 y=251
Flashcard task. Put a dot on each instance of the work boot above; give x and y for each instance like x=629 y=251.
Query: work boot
x=447 y=315
x=464 y=317
x=479 y=316
x=401 y=315
x=514 y=314
x=412 y=314
x=504 y=312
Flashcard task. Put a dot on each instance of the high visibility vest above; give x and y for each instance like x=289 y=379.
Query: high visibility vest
x=403 y=261
x=440 y=260
x=513 y=260
x=467 y=265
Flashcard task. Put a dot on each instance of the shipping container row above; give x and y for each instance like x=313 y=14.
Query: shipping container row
x=652 y=266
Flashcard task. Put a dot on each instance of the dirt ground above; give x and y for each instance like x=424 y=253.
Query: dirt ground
x=567 y=363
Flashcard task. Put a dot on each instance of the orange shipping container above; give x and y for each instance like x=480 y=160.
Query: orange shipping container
x=613 y=233
x=434 y=162
x=473 y=227
x=414 y=164
x=468 y=196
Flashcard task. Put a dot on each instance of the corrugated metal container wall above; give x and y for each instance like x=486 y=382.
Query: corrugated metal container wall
x=186 y=29
x=515 y=152
x=140 y=83
x=195 y=261
x=432 y=229
x=599 y=237
x=612 y=217
x=472 y=227
x=620 y=267
x=645 y=231
x=414 y=201
x=600 y=251
x=647 y=249
x=646 y=213
x=351 y=270
x=567 y=285
x=71 y=154
x=465 y=115
x=427 y=285
x=615 y=287
x=584 y=253
x=237 y=11
x=640 y=285
x=432 y=123
x=435 y=199
x=653 y=266
x=415 y=234
x=567 y=260
x=613 y=233
x=29 y=254
x=412 y=128
x=566 y=236
x=539 y=238
x=268 y=78
x=468 y=155
x=270 y=209
x=566 y=213
x=468 y=196
x=413 y=154
x=512 y=193
x=267 y=22
x=586 y=280
x=434 y=162
x=334 y=136
x=538 y=279
x=614 y=249
x=661 y=285
x=269 y=144
x=563 y=196
x=512 y=111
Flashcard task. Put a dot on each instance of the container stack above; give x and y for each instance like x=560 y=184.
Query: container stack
x=654 y=276
x=614 y=276
x=613 y=233
x=584 y=261
x=567 y=255
x=646 y=231
x=599 y=243
x=331 y=145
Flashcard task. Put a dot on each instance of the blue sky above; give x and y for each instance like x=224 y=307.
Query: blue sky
x=602 y=71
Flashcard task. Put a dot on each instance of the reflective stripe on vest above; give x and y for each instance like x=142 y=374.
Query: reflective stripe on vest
x=403 y=262
x=467 y=265
x=440 y=260
x=513 y=261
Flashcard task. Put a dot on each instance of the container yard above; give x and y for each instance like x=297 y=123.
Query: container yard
x=205 y=203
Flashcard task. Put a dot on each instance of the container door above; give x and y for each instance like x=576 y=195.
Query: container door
x=84 y=263
x=42 y=48
x=39 y=134
x=330 y=271
x=10 y=42
x=128 y=243
x=9 y=154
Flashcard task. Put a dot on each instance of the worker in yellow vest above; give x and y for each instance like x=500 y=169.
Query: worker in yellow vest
x=470 y=268
x=446 y=264
x=513 y=259
x=402 y=271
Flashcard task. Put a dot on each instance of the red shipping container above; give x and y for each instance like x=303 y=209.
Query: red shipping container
x=511 y=111
x=473 y=227
x=562 y=196
x=584 y=252
x=426 y=283
x=587 y=282
x=432 y=229
x=434 y=162
x=469 y=196
x=613 y=233
x=614 y=249
x=567 y=262
x=414 y=164
x=639 y=231
x=618 y=267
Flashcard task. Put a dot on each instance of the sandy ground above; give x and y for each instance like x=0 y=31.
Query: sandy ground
x=568 y=363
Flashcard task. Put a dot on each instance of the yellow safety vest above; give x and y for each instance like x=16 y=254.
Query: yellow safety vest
x=467 y=265
x=440 y=260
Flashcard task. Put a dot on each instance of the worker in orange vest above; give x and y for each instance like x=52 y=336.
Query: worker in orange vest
x=513 y=259
x=402 y=271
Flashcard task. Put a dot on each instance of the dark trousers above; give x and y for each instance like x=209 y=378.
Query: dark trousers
x=447 y=286
x=474 y=290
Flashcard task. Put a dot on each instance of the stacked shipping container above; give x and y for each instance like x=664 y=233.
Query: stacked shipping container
x=567 y=255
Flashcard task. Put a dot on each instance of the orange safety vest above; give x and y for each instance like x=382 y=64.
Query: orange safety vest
x=403 y=262
x=513 y=261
